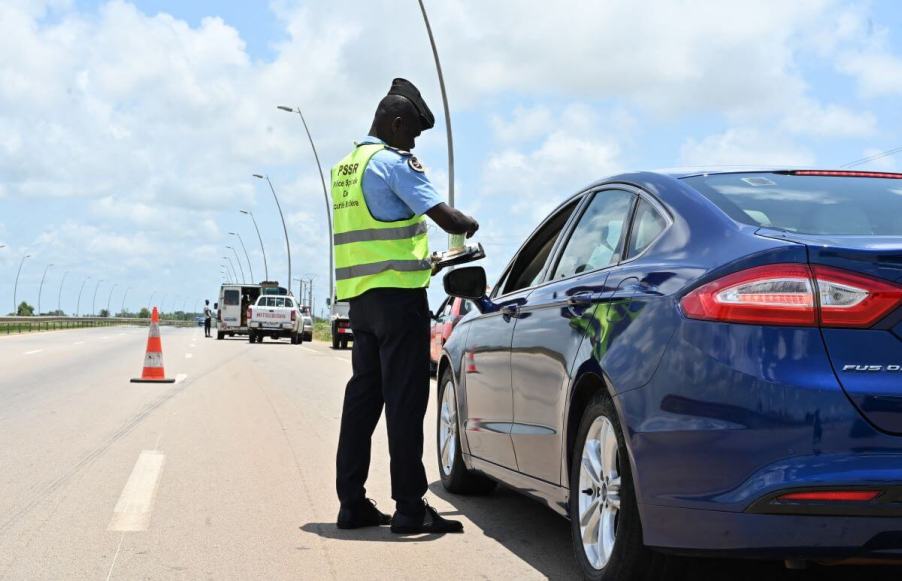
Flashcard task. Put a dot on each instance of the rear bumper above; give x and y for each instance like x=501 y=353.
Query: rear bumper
x=686 y=530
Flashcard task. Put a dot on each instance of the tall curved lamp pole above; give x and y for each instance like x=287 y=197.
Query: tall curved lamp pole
x=59 y=296
x=109 y=299
x=238 y=260
x=125 y=294
x=94 y=300
x=326 y=197
x=262 y=249
x=246 y=257
x=282 y=216
x=234 y=272
x=16 y=286
x=41 y=287
x=441 y=83
x=78 y=302
x=225 y=273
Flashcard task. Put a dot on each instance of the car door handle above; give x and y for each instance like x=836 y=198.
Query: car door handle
x=512 y=310
x=586 y=298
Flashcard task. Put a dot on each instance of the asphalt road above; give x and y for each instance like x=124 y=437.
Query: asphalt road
x=229 y=474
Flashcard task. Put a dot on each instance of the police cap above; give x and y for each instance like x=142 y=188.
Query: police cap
x=406 y=89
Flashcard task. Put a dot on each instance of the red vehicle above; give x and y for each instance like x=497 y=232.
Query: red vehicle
x=445 y=318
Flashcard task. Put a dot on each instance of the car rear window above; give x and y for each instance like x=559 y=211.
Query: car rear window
x=819 y=205
x=231 y=297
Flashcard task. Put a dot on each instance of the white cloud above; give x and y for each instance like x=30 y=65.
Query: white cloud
x=811 y=118
x=744 y=146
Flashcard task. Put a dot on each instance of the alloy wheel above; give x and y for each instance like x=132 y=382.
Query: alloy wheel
x=447 y=435
x=599 y=492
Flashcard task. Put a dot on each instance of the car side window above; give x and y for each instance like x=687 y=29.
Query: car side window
x=647 y=226
x=529 y=264
x=289 y=303
x=465 y=307
x=597 y=239
x=446 y=312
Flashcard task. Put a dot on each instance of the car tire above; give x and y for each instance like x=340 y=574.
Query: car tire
x=455 y=476
x=219 y=336
x=293 y=338
x=603 y=504
x=335 y=342
x=251 y=337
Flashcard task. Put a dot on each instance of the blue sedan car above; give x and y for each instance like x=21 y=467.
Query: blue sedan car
x=693 y=363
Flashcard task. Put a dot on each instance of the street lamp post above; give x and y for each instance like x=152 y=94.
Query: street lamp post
x=41 y=286
x=326 y=197
x=109 y=299
x=234 y=272
x=78 y=302
x=282 y=216
x=94 y=300
x=16 y=286
x=441 y=83
x=246 y=257
x=262 y=249
x=59 y=296
x=238 y=260
x=122 y=310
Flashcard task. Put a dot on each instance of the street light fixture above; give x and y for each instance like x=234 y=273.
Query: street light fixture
x=326 y=197
x=41 y=286
x=59 y=296
x=282 y=216
x=109 y=299
x=246 y=257
x=122 y=310
x=238 y=260
x=16 y=286
x=262 y=249
x=78 y=302
x=94 y=300
x=234 y=272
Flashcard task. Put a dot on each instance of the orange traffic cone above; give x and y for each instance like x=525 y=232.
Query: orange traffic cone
x=153 y=359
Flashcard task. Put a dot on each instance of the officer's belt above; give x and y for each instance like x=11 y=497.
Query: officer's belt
x=379 y=267
x=374 y=234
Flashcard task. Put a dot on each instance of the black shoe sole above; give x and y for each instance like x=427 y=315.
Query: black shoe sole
x=423 y=531
x=354 y=525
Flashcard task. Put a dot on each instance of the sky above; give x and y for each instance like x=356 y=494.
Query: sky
x=130 y=130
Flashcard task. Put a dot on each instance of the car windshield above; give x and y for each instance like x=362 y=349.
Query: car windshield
x=819 y=205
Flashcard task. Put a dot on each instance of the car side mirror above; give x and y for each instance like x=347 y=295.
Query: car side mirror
x=466 y=283
x=328 y=301
x=215 y=305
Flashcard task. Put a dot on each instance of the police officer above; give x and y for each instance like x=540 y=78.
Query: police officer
x=380 y=194
x=208 y=317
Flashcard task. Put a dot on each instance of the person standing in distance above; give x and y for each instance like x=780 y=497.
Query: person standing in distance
x=208 y=317
x=380 y=194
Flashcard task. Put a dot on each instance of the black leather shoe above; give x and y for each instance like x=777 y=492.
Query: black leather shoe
x=430 y=522
x=364 y=514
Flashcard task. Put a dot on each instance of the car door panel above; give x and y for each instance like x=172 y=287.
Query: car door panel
x=546 y=341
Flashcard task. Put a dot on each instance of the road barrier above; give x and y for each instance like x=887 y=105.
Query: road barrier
x=14 y=325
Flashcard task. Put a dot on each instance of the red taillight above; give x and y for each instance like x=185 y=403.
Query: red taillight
x=294 y=316
x=249 y=313
x=846 y=173
x=794 y=294
x=831 y=496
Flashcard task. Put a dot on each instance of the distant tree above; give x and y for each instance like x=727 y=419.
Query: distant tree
x=57 y=313
x=144 y=313
x=25 y=310
x=104 y=313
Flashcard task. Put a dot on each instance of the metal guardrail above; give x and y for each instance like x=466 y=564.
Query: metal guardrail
x=11 y=325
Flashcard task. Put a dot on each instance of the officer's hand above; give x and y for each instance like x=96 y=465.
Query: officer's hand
x=472 y=227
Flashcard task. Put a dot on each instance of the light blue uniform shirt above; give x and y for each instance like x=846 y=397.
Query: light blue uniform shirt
x=393 y=189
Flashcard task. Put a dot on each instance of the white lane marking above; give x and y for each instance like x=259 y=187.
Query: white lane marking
x=115 y=557
x=181 y=377
x=33 y=352
x=342 y=359
x=189 y=355
x=311 y=350
x=132 y=512
x=79 y=343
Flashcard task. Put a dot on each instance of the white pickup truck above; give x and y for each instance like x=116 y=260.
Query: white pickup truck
x=275 y=316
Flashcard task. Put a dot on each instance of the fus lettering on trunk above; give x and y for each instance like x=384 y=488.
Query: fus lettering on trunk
x=852 y=367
